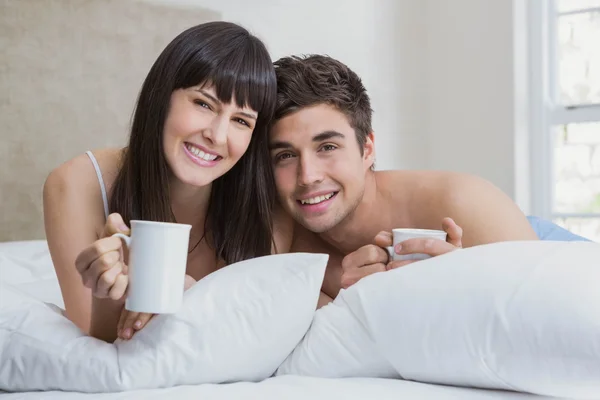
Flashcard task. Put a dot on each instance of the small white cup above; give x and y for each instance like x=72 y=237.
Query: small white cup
x=157 y=264
x=402 y=234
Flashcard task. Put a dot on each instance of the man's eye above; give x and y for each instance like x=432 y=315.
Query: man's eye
x=329 y=147
x=283 y=156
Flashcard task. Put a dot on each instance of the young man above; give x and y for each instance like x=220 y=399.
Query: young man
x=322 y=149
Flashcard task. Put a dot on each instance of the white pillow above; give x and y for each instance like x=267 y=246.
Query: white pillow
x=27 y=265
x=237 y=324
x=337 y=345
x=522 y=316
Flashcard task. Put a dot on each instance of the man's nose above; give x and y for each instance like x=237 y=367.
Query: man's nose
x=309 y=172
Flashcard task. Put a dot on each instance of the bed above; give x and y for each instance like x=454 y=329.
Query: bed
x=26 y=267
x=294 y=387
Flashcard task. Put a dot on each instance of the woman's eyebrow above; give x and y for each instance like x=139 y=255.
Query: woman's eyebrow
x=213 y=98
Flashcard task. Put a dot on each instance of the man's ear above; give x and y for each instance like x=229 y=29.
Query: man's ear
x=369 y=150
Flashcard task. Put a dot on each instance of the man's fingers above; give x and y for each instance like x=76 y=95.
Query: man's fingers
x=350 y=277
x=429 y=246
x=366 y=255
x=384 y=239
x=398 y=264
x=454 y=232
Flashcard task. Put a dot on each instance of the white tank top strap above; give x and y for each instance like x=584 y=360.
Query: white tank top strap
x=101 y=181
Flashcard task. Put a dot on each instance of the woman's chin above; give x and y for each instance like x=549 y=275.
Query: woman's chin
x=195 y=178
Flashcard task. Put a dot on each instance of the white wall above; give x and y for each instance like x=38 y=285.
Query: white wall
x=380 y=40
x=476 y=104
x=441 y=74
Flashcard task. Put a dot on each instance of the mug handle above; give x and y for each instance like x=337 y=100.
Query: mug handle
x=391 y=253
x=126 y=239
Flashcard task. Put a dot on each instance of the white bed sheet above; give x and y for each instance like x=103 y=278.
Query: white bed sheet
x=27 y=266
x=292 y=388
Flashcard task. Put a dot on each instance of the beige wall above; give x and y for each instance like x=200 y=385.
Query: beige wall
x=70 y=71
x=443 y=77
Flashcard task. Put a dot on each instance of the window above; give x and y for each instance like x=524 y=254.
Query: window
x=565 y=113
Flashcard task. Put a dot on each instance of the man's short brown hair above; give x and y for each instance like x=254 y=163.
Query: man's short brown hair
x=304 y=81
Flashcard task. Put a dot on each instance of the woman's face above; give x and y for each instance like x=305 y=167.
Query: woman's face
x=203 y=137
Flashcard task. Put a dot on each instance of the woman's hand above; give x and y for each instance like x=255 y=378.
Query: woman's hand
x=131 y=321
x=101 y=264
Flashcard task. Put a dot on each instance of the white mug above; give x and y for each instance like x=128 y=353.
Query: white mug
x=157 y=263
x=402 y=234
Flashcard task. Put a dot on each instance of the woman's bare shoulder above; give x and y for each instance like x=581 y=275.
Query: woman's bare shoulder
x=75 y=182
x=79 y=172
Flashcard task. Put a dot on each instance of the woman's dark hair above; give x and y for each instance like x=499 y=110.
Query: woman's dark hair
x=238 y=224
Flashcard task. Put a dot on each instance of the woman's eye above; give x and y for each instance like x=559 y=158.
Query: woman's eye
x=241 y=121
x=202 y=104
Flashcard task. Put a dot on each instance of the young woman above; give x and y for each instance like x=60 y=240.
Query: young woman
x=197 y=154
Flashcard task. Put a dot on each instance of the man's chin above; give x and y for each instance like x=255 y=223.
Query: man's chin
x=316 y=223
x=321 y=226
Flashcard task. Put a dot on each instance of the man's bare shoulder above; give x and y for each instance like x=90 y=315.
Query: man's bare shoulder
x=427 y=179
x=454 y=188
x=427 y=182
x=417 y=185
x=425 y=197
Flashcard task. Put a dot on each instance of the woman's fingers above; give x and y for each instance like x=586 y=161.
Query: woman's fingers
x=119 y=288
x=115 y=224
x=130 y=322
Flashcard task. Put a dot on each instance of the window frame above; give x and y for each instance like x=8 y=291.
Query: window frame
x=545 y=110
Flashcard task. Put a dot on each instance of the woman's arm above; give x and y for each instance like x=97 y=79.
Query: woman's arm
x=73 y=215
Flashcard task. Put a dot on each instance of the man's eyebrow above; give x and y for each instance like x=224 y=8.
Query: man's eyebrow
x=327 y=135
x=213 y=98
x=319 y=137
x=279 y=145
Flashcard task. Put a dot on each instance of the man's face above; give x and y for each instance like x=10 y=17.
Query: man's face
x=319 y=170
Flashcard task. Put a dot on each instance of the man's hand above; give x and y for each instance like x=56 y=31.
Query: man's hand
x=374 y=258
x=365 y=261
x=429 y=246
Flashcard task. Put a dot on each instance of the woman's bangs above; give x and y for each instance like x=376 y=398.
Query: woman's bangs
x=244 y=75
